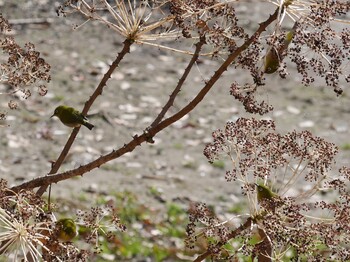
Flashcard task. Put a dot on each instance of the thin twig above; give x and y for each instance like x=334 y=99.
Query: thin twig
x=114 y=65
x=180 y=83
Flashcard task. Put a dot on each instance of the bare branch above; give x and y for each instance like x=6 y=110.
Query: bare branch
x=180 y=83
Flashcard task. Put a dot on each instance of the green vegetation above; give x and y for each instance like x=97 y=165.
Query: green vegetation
x=151 y=233
x=219 y=164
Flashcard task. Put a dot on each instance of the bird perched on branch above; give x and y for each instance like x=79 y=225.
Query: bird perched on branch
x=66 y=229
x=274 y=56
x=264 y=192
x=266 y=198
x=71 y=117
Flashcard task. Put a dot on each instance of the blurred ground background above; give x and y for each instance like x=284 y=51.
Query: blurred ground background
x=174 y=168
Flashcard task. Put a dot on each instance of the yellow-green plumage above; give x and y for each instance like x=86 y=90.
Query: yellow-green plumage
x=272 y=61
x=273 y=56
x=288 y=39
x=66 y=229
x=71 y=117
x=264 y=193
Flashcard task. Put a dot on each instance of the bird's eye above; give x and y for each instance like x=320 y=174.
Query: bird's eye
x=260 y=189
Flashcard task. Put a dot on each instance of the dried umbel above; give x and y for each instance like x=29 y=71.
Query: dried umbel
x=294 y=169
x=100 y=221
x=140 y=21
x=21 y=69
x=320 y=38
x=216 y=19
x=313 y=36
x=247 y=96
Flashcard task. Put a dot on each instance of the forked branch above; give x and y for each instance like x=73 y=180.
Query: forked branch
x=177 y=89
x=138 y=140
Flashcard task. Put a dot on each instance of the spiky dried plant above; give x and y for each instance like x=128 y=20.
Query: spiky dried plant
x=25 y=227
x=28 y=232
x=143 y=22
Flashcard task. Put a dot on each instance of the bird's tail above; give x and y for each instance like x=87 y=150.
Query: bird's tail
x=88 y=125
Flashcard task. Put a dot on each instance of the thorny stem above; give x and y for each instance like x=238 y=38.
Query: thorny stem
x=180 y=83
x=88 y=104
x=138 y=140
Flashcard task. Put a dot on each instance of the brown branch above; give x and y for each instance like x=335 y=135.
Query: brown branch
x=97 y=92
x=264 y=247
x=233 y=234
x=114 y=65
x=180 y=83
x=56 y=165
x=44 y=181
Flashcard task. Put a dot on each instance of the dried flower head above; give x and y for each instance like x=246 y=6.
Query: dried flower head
x=320 y=39
x=311 y=36
x=215 y=19
x=20 y=68
x=29 y=233
x=293 y=172
x=24 y=226
x=100 y=221
x=141 y=21
x=258 y=153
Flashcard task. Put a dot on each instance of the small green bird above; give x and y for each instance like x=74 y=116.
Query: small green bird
x=272 y=61
x=66 y=229
x=264 y=193
x=274 y=57
x=71 y=117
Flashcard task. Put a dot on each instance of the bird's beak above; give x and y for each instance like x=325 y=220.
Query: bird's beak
x=52 y=116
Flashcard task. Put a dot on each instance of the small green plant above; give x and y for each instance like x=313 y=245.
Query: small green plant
x=345 y=146
x=219 y=164
x=151 y=233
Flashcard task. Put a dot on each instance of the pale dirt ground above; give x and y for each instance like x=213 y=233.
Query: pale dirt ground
x=174 y=165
